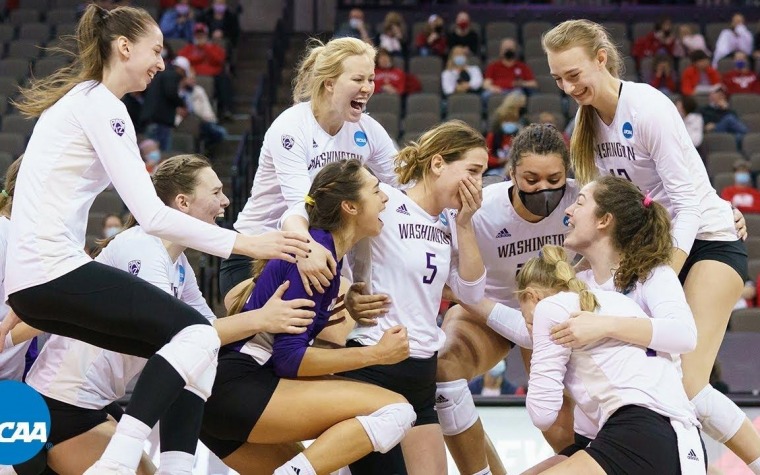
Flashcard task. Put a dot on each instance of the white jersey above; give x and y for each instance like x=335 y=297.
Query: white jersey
x=603 y=376
x=507 y=241
x=84 y=375
x=647 y=143
x=12 y=360
x=295 y=149
x=80 y=144
x=411 y=260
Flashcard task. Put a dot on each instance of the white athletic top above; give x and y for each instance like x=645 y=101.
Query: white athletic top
x=411 y=260
x=79 y=145
x=295 y=149
x=603 y=376
x=647 y=143
x=13 y=359
x=84 y=375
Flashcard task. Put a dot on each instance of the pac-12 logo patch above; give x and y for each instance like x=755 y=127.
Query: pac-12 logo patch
x=287 y=141
x=134 y=266
x=360 y=138
x=24 y=422
x=118 y=126
x=628 y=130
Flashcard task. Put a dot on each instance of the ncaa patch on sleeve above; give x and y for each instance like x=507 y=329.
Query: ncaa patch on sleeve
x=24 y=422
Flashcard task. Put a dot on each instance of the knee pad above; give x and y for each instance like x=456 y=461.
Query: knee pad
x=720 y=417
x=388 y=425
x=192 y=353
x=455 y=407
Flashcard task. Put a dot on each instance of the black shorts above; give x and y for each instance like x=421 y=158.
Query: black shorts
x=413 y=378
x=580 y=442
x=68 y=421
x=732 y=253
x=636 y=441
x=242 y=389
x=233 y=271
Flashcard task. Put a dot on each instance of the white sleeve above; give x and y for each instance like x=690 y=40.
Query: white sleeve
x=724 y=45
x=695 y=125
x=510 y=324
x=298 y=209
x=121 y=160
x=673 y=327
x=744 y=39
x=476 y=77
x=150 y=260
x=191 y=295
x=664 y=147
x=469 y=293
x=548 y=366
x=290 y=165
x=383 y=154
x=449 y=81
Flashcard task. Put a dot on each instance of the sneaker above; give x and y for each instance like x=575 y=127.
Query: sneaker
x=109 y=467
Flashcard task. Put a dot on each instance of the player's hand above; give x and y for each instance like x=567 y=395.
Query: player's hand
x=318 y=270
x=740 y=224
x=471 y=197
x=582 y=328
x=286 y=316
x=288 y=246
x=393 y=346
x=364 y=308
x=9 y=323
x=338 y=313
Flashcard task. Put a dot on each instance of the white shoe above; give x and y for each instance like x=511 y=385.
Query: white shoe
x=109 y=467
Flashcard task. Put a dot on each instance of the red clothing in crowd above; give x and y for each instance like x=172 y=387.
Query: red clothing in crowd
x=197 y=4
x=690 y=79
x=741 y=81
x=745 y=198
x=206 y=60
x=392 y=76
x=504 y=76
x=439 y=47
x=493 y=157
x=666 y=81
x=650 y=45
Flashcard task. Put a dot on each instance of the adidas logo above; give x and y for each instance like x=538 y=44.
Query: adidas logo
x=314 y=144
x=402 y=209
x=503 y=234
x=441 y=399
x=692 y=456
x=296 y=470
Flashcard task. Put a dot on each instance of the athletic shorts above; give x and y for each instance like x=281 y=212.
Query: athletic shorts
x=413 y=378
x=636 y=441
x=242 y=389
x=233 y=271
x=732 y=253
x=68 y=421
x=580 y=442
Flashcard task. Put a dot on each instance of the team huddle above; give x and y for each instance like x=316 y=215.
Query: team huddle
x=616 y=285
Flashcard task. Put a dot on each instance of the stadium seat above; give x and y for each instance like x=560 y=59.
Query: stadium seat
x=722 y=162
x=107 y=202
x=464 y=104
x=719 y=142
x=389 y=122
x=738 y=367
x=17 y=124
x=722 y=180
x=385 y=103
x=423 y=103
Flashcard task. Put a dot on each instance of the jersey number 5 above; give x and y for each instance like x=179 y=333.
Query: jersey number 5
x=428 y=279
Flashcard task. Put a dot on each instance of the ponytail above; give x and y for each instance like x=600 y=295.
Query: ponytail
x=9 y=187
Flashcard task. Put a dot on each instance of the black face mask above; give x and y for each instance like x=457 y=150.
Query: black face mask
x=509 y=55
x=543 y=202
x=438 y=29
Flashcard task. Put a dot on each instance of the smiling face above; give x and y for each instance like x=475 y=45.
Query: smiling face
x=142 y=59
x=472 y=163
x=535 y=172
x=584 y=226
x=580 y=76
x=371 y=203
x=349 y=92
x=208 y=201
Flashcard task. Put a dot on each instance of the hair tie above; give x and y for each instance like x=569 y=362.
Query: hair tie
x=5 y=193
x=647 y=199
x=309 y=200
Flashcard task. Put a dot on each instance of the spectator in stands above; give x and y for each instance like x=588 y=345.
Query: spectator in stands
x=209 y=59
x=551 y=118
x=462 y=34
x=431 y=41
x=460 y=76
x=741 y=79
x=660 y=41
x=663 y=77
x=354 y=27
x=134 y=103
x=223 y=22
x=692 y=118
x=508 y=72
x=388 y=78
x=178 y=22
x=742 y=194
x=699 y=77
x=689 y=41
x=162 y=103
x=735 y=38
x=507 y=122
x=198 y=104
x=151 y=154
x=720 y=118
x=112 y=224
x=393 y=36
x=494 y=382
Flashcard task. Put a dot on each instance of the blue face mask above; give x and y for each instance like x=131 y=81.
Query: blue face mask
x=740 y=64
x=460 y=60
x=509 y=128
x=498 y=370
x=153 y=156
x=743 y=178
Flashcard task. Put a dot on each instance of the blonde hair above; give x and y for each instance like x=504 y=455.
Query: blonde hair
x=451 y=140
x=94 y=36
x=592 y=37
x=509 y=109
x=324 y=61
x=551 y=271
x=9 y=186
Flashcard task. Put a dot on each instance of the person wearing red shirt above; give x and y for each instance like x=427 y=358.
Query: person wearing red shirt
x=508 y=72
x=661 y=40
x=388 y=79
x=699 y=77
x=431 y=41
x=209 y=59
x=742 y=194
x=662 y=78
x=741 y=79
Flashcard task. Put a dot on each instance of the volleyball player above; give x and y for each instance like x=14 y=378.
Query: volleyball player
x=82 y=141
